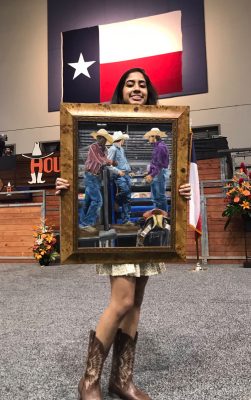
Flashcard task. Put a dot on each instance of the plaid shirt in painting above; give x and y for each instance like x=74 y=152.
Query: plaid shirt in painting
x=96 y=159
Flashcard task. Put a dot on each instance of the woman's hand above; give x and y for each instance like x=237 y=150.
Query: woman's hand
x=185 y=190
x=61 y=184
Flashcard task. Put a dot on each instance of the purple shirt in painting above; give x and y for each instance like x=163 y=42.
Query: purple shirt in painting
x=160 y=158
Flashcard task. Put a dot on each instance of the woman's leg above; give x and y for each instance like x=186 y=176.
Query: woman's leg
x=129 y=323
x=121 y=379
x=123 y=311
x=122 y=301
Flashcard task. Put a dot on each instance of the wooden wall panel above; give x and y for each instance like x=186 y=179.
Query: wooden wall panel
x=16 y=230
x=17 y=224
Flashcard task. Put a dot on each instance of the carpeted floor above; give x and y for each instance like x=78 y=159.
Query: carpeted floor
x=194 y=334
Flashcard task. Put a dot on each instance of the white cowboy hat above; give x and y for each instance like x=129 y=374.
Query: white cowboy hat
x=104 y=133
x=154 y=132
x=118 y=135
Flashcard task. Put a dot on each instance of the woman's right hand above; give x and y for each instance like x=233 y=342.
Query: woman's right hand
x=61 y=184
x=185 y=191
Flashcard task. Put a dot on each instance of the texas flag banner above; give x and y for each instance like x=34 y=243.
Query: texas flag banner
x=194 y=204
x=93 y=59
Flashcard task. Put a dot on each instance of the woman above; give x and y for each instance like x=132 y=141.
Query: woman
x=119 y=322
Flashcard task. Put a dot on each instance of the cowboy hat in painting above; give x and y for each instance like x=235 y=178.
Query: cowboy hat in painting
x=104 y=133
x=118 y=135
x=154 y=132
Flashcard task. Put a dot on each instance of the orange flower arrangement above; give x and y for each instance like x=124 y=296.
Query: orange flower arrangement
x=238 y=195
x=44 y=250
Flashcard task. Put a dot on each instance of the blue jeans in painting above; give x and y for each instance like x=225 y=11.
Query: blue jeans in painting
x=93 y=201
x=123 y=184
x=158 y=189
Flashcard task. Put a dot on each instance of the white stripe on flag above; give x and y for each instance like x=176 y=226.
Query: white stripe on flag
x=141 y=37
x=194 y=203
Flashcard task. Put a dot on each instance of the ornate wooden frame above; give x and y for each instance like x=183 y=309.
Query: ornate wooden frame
x=70 y=115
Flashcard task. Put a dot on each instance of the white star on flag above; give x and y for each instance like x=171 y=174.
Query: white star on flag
x=81 y=67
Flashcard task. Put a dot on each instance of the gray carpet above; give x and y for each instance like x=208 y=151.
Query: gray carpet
x=193 y=342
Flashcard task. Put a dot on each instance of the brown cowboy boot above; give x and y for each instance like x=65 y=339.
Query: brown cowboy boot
x=89 y=385
x=121 y=383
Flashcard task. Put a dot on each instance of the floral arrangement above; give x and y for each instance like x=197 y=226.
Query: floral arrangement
x=44 y=248
x=238 y=195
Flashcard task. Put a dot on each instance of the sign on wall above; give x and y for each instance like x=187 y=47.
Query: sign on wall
x=41 y=163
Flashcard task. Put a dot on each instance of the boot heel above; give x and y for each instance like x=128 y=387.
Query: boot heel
x=121 y=385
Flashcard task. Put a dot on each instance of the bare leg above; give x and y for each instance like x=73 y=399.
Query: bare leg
x=121 y=379
x=122 y=300
x=129 y=323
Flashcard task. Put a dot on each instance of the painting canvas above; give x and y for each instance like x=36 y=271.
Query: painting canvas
x=158 y=235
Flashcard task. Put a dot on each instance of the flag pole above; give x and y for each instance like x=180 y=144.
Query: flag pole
x=198 y=265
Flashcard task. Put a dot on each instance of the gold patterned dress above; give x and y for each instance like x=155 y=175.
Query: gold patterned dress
x=137 y=270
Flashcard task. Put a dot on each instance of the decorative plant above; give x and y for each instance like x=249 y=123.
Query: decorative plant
x=238 y=195
x=44 y=248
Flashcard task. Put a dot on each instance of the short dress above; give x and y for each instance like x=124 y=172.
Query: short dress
x=136 y=270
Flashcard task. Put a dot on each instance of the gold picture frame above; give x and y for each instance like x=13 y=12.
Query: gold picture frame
x=75 y=116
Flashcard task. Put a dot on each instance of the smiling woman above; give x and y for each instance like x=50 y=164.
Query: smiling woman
x=127 y=265
x=135 y=89
x=127 y=256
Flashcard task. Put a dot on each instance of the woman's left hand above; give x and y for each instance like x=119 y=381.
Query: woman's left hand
x=185 y=190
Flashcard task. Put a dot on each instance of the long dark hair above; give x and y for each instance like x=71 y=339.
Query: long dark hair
x=117 y=97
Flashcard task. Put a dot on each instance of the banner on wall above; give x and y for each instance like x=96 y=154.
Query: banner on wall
x=95 y=58
x=167 y=39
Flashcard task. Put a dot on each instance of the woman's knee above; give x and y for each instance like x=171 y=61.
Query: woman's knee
x=122 y=307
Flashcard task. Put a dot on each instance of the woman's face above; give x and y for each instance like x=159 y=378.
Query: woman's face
x=135 y=89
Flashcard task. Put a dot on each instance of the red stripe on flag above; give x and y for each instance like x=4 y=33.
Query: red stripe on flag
x=165 y=72
x=199 y=225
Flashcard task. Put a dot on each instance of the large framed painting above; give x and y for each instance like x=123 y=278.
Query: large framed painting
x=152 y=233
